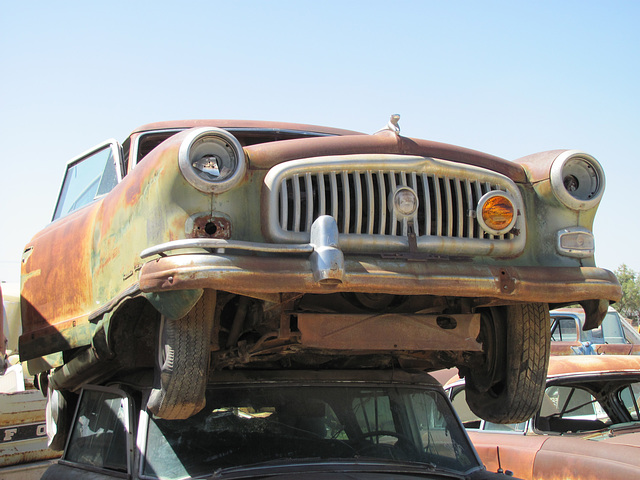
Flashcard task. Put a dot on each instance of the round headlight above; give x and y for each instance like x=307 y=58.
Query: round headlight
x=496 y=212
x=577 y=180
x=211 y=159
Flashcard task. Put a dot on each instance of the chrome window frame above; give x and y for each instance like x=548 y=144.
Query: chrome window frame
x=134 y=148
x=129 y=415
x=116 y=150
x=232 y=130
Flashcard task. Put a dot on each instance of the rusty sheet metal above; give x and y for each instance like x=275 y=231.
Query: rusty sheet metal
x=564 y=348
x=517 y=455
x=389 y=331
x=584 y=365
x=555 y=457
x=566 y=458
x=618 y=349
x=100 y=245
x=42 y=274
x=23 y=436
x=249 y=124
x=28 y=471
x=21 y=407
x=247 y=274
x=593 y=364
x=620 y=436
x=538 y=164
x=266 y=155
x=25 y=450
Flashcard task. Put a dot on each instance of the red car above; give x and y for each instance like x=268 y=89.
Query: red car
x=587 y=428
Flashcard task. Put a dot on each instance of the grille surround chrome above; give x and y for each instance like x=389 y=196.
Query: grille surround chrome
x=298 y=191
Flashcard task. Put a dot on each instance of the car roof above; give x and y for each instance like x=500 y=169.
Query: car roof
x=244 y=124
x=563 y=365
x=253 y=377
x=582 y=365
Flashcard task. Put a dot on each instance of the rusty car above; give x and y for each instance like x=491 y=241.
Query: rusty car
x=216 y=244
x=588 y=426
x=614 y=335
x=356 y=424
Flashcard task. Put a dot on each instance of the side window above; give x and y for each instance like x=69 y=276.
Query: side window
x=571 y=409
x=612 y=330
x=99 y=436
x=630 y=398
x=88 y=178
x=468 y=418
x=564 y=329
x=472 y=422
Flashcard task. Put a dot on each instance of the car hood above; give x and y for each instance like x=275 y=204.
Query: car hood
x=337 y=470
x=582 y=448
x=266 y=155
x=622 y=434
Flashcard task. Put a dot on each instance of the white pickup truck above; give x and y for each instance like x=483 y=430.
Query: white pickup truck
x=24 y=454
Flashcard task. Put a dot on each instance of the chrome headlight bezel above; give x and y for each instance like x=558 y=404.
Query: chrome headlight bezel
x=480 y=217
x=220 y=147
x=577 y=180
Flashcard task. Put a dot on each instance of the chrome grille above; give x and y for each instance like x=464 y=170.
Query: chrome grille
x=358 y=202
x=356 y=193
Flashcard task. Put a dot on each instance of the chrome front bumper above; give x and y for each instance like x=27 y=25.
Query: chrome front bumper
x=320 y=267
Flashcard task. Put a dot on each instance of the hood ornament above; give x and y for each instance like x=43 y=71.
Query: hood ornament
x=392 y=125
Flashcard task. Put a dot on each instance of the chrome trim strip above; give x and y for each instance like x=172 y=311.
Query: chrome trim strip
x=218 y=243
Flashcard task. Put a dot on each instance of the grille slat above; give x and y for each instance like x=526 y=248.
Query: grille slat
x=297 y=203
x=394 y=218
x=358 y=207
x=310 y=203
x=284 y=205
x=333 y=181
x=346 y=202
x=382 y=205
x=371 y=210
x=427 y=203
x=321 y=195
x=469 y=210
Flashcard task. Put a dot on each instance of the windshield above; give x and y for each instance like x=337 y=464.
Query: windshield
x=249 y=425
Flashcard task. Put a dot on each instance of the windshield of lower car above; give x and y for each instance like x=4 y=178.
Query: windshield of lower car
x=249 y=425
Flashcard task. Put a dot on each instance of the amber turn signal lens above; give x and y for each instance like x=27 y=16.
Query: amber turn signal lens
x=497 y=214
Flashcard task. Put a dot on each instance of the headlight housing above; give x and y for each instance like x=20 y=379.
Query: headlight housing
x=577 y=180
x=211 y=159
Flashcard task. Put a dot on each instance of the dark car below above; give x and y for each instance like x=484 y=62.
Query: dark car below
x=355 y=424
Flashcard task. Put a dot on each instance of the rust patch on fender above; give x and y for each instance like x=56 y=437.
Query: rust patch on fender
x=208 y=226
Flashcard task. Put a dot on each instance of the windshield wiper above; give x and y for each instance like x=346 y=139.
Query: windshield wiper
x=319 y=465
x=621 y=428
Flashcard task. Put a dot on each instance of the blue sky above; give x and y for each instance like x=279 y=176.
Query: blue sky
x=509 y=78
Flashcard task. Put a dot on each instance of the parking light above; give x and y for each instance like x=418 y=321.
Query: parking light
x=496 y=213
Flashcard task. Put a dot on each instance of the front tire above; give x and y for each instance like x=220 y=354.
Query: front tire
x=509 y=386
x=183 y=361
